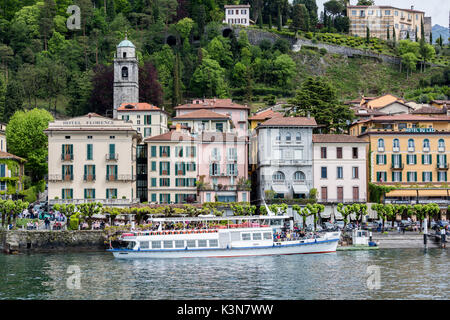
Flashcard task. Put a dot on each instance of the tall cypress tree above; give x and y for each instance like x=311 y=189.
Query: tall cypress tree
x=270 y=21
x=422 y=29
x=279 y=17
x=388 y=35
x=260 y=20
x=367 y=35
x=176 y=96
x=14 y=98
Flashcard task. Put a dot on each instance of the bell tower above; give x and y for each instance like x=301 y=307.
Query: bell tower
x=126 y=75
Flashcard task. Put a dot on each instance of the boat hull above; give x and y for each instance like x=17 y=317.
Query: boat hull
x=326 y=246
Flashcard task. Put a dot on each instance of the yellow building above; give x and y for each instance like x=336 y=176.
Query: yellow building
x=379 y=18
x=408 y=151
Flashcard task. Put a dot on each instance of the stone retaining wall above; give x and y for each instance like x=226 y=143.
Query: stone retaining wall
x=346 y=51
x=391 y=241
x=46 y=240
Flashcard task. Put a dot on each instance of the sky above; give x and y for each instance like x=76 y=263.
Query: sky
x=437 y=9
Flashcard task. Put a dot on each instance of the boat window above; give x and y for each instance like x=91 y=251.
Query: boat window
x=246 y=236
x=202 y=243
x=144 y=245
x=168 y=244
x=213 y=243
x=131 y=245
x=190 y=243
x=179 y=243
x=156 y=244
x=267 y=236
x=257 y=236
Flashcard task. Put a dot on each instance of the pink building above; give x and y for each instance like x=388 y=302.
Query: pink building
x=236 y=112
x=223 y=167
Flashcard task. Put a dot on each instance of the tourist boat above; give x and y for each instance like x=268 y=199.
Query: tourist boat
x=250 y=236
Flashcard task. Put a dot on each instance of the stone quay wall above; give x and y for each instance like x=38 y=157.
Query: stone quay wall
x=398 y=241
x=22 y=241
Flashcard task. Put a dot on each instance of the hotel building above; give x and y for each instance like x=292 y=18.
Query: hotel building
x=339 y=164
x=410 y=152
x=379 y=18
x=92 y=158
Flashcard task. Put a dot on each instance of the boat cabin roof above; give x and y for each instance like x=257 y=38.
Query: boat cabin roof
x=229 y=218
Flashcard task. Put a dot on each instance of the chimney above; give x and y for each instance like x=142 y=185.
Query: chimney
x=412 y=7
x=308 y=115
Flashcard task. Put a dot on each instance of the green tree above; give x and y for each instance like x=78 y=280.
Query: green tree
x=365 y=3
x=283 y=70
x=13 y=99
x=318 y=98
x=26 y=138
x=427 y=52
x=409 y=60
x=47 y=14
x=89 y=209
x=300 y=18
x=209 y=80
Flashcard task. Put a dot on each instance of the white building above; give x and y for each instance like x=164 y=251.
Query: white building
x=92 y=158
x=126 y=75
x=340 y=174
x=285 y=157
x=237 y=14
x=147 y=119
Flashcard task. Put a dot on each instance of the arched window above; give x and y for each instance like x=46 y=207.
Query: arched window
x=124 y=73
x=124 y=54
x=298 y=136
x=288 y=136
x=441 y=144
x=299 y=176
x=278 y=176
x=411 y=143
x=381 y=143
x=426 y=143
x=396 y=143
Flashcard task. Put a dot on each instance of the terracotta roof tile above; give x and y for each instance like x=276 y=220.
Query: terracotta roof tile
x=429 y=110
x=290 y=121
x=330 y=138
x=172 y=135
x=201 y=114
x=141 y=106
x=6 y=155
x=264 y=115
x=212 y=103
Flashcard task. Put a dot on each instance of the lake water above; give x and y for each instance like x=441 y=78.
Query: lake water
x=404 y=274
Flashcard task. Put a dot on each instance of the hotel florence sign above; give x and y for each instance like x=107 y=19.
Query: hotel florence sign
x=88 y=123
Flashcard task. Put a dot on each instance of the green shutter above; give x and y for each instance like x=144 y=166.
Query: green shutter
x=423 y=176
x=378 y=162
x=62 y=150
x=176 y=198
x=392 y=160
x=168 y=168
x=160 y=168
x=415 y=159
x=153 y=151
x=168 y=198
x=423 y=159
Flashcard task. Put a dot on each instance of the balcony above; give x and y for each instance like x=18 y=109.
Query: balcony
x=426 y=149
x=380 y=149
x=395 y=149
x=441 y=149
x=397 y=166
x=112 y=156
x=89 y=177
x=111 y=177
x=344 y=201
x=106 y=202
x=442 y=166
x=66 y=157
x=411 y=149
x=55 y=178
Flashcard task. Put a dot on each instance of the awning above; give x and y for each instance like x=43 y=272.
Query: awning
x=300 y=188
x=326 y=212
x=433 y=193
x=401 y=193
x=422 y=193
x=280 y=188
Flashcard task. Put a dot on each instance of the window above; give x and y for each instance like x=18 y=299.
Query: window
x=340 y=173
x=245 y=236
x=353 y=12
x=67 y=172
x=213 y=243
x=381 y=144
x=179 y=151
x=232 y=169
x=427 y=176
x=441 y=145
x=288 y=136
x=190 y=151
x=256 y=236
x=339 y=152
x=267 y=236
x=426 y=159
x=111 y=193
x=355 y=172
x=323 y=152
x=395 y=145
x=381 y=159
x=355 y=153
x=164 y=182
x=426 y=145
x=179 y=244
x=381 y=176
x=144 y=244
x=153 y=151
x=299 y=176
x=89 y=193
x=278 y=176
x=168 y=244
x=124 y=54
x=215 y=154
x=202 y=243
x=396 y=176
x=89 y=149
x=89 y=172
x=164 y=168
x=111 y=172
x=147 y=119
x=156 y=244
x=323 y=172
x=232 y=154
x=411 y=176
x=67 y=193
x=124 y=73
x=411 y=145
x=219 y=127
x=442 y=176
x=214 y=169
x=164 y=151
x=298 y=136
x=411 y=159
x=2 y=170
x=147 y=132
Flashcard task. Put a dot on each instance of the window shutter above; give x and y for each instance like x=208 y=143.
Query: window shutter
x=378 y=176
x=160 y=168
x=378 y=159
x=385 y=159
x=415 y=159
x=392 y=160
x=85 y=194
x=62 y=149
x=401 y=176
x=423 y=176
x=62 y=194
x=168 y=151
x=176 y=198
x=168 y=198
x=431 y=158
x=176 y=168
x=168 y=168
x=400 y=160
x=153 y=151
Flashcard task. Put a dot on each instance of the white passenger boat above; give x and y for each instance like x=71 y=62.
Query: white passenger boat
x=253 y=236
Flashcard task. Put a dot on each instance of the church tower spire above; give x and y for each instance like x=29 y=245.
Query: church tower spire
x=126 y=75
